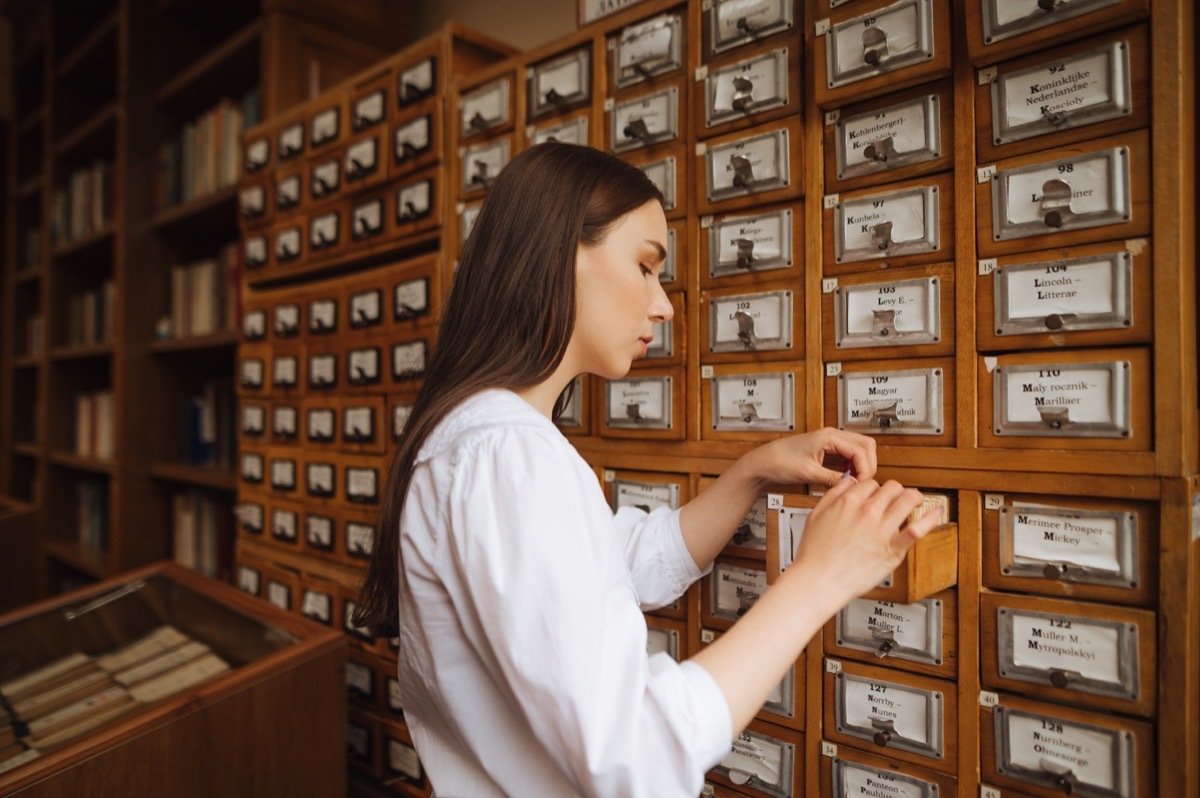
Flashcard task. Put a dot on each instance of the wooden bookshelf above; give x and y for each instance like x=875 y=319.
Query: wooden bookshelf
x=27 y=449
x=207 y=212
x=92 y=137
x=229 y=63
x=79 y=463
x=86 y=246
x=68 y=353
x=221 y=479
x=198 y=343
x=82 y=558
x=97 y=49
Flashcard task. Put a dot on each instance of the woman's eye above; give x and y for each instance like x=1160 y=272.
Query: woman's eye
x=646 y=271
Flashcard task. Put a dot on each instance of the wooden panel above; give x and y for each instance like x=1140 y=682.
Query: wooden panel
x=930 y=566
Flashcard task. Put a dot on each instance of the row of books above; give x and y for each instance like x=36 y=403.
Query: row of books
x=210 y=436
x=91 y=499
x=35 y=329
x=94 y=425
x=85 y=205
x=206 y=295
x=91 y=315
x=206 y=156
x=31 y=249
x=202 y=529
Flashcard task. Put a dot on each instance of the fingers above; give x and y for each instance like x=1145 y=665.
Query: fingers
x=858 y=450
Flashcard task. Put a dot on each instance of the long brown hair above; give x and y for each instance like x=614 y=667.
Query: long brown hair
x=509 y=316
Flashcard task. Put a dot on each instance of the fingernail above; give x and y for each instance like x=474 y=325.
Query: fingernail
x=846 y=475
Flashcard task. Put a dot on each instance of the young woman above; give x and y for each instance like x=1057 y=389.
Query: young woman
x=516 y=593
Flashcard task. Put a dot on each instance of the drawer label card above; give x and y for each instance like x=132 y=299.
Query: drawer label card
x=369 y=110
x=414 y=201
x=1077 y=294
x=1003 y=19
x=887 y=225
x=753 y=402
x=358 y=424
x=318 y=606
x=760 y=762
x=279 y=594
x=366 y=308
x=361 y=484
x=367 y=220
x=735 y=589
x=888 y=314
x=291 y=140
x=287 y=192
x=905 y=631
x=400 y=416
x=896 y=402
x=415 y=82
x=572 y=415
x=481 y=164
x=287 y=244
x=320 y=424
x=283 y=421
x=1090 y=546
x=662 y=175
x=752 y=532
x=318 y=531
x=410 y=299
x=1050 y=751
x=665 y=641
x=747 y=87
x=403 y=759
x=574 y=131
x=646 y=120
x=360 y=538
x=791 y=529
x=1081 y=191
x=283 y=474
x=326 y=177
x=748 y=166
x=646 y=496
x=467 y=221
x=408 y=360
x=322 y=371
x=885 y=40
x=248 y=580
x=252 y=201
x=254 y=420
x=736 y=22
x=252 y=467
x=323 y=230
x=1063 y=399
x=254 y=325
x=649 y=49
x=638 y=404
x=362 y=158
x=1087 y=654
x=888 y=138
x=485 y=107
x=324 y=126
x=889 y=714
x=256 y=251
x=743 y=244
x=411 y=139
x=561 y=82
x=283 y=371
x=258 y=152
x=854 y=779
x=362 y=366
x=663 y=343
x=750 y=322
x=252 y=373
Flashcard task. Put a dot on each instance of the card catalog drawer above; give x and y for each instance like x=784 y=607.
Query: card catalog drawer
x=362 y=688
x=361 y=480
x=751 y=401
x=1101 y=85
x=255 y=206
x=907 y=312
x=359 y=531
x=322 y=369
x=750 y=168
x=896 y=137
x=417 y=203
x=899 y=402
x=321 y=478
x=761 y=85
x=287 y=370
x=1064 y=399
x=919 y=636
x=363 y=424
x=1092 y=295
x=362 y=742
x=281 y=587
x=415 y=286
x=480 y=164
x=726 y=25
x=846 y=771
x=901 y=223
x=369 y=218
x=257 y=146
x=399 y=761
x=327 y=233
x=902 y=715
x=416 y=139
x=366 y=302
x=359 y=636
x=746 y=249
x=284 y=476
x=369 y=101
x=787 y=513
x=999 y=29
x=765 y=761
x=365 y=366
x=283 y=519
x=486 y=108
x=764 y=324
x=786 y=701
x=748 y=539
x=319 y=600
x=287 y=244
x=252 y=468
x=730 y=590
x=866 y=53
x=417 y=76
x=286 y=320
x=576 y=417
x=290 y=137
x=667 y=636
x=248 y=575
x=645 y=51
x=645 y=490
x=326 y=121
x=252 y=368
x=647 y=404
x=409 y=358
x=560 y=83
x=571 y=129
x=256 y=252
x=674 y=268
x=285 y=422
x=400 y=407
x=1077 y=653
x=320 y=422
x=1071 y=546
x=645 y=120
x=1095 y=191
x=255 y=321
x=325 y=175
x=1048 y=750
x=667 y=169
x=252 y=421
x=930 y=566
x=364 y=162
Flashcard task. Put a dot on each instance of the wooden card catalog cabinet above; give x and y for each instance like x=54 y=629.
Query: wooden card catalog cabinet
x=737 y=249
x=874 y=51
x=644 y=120
x=416 y=140
x=560 y=84
x=486 y=108
x=364 y=366
x=919 y=636
x=481 y=163
x=749 y=538
x=904 y=223
x=666 y=636
x=742 y=326
x=409 y=359
x=369 y=103
x=417 y=204
x=648 y=404
x=327 y=232
x=253 y=208
x=999 y=29
x=256 y=251
x=910 y=717
x=1070 y=652
x=786 y=516
x=1095 y=399
x=785 y=703
x=364 y=162
x=1040 y=101
x=730 y=590
x=1096 y=191
x=744 y=401
x=751 y=91
x=401 y=765
x=1079 y=296
x=320 y=533
x=750 y=168
x=893 y=138
x=930 y=566
x=911 y=406
x=289 y=140
x=1071 y=546
x=285 y=423
x=416 y=81
x=667 y=169
x=325 y=177
x=766 y=761
x=576 y=417
x=326 y=122
x=645 y=51
x=902 y=314
x=571 y=130
x=645 y=491
x=361 y=480
x=257 y=150
x=287 y=244
x=846 y=771
x=1047 y=750
x=726 y=25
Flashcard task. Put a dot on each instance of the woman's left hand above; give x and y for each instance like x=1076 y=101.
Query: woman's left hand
x=800 y=459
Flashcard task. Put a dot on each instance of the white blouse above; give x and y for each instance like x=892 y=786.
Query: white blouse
x=523 y=663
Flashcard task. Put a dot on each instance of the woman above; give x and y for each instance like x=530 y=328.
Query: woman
x=516 y=593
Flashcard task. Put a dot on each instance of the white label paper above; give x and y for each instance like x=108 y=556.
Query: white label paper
x=867 y=393
x=414 y=200
x=324 y=126
x=320 y=424
x=647 y=496
x=907 y=625
x=403 y=759
x=1089 y=177
x=360 y=678
x=360 y=538
x=909 y=299
x=753 y=14
x=320 y=478
x=883 y=702
x=770 y=315
x=322 y=370
x=400 y=416
x=662 y=641
x=904 y=211
x=361 y=482
x=758 y=399
x=901 y=25
x=368 y=218
x=323 y=230
x=318 y=530
x=565 y=77
x=256 y=250
x=279 y=595
x=1088 y=753
x=736 y=589
x=768 y=84
x=657 y=112
x=860 y=780
x=766 y=156
x=488 y=105
x=253 y=419
x=1067 y=86
x=415 y=134
x=258 y=152
x=283 y=371
x=368 y=110
x=287 y=243
x=1086 y=393
x=325 y=178
x=662 y=175
x=572 y=132
x=1069 y=644
x=1080 y=288
x=252 y=466
x=758 y=756
x=766 y=236
x=283 y=420
x=408 y=359
x=418 y=77
x=359 y=422
x=291 y=140
x=361 y=157
x=364 y=365
x=248 y=580
x=481 y=164
x=252 y=373
x=1059 y=536
x=283 y=473
x=634 y=402
x=904 y=124
x=646 y=43
x=318 y=606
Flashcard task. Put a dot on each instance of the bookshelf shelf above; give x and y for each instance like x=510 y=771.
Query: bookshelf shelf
x=95 y=136
x=61 y=354
x=86 y=559
x=88 y=245
x=30 y=121
x=30 y=187
x=77 y=463
x=198 y=343
x=222 y=479
x=217 y=210
x=28 y=276
x=210 y=77
x=95 y=49
x=27 y=449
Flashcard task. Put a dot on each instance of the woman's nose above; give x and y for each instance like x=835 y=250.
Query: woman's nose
x=661 y=308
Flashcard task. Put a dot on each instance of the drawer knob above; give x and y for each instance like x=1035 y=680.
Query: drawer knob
x=636 y=129
x=633 y=411
x=743 y=171
x=1055 y=416
x=749 y=412
x=745 y=324
x=481 y=173
x=1054 y=570
x=1064 y=778
x=405 y=150
x=883 y=322
x=884 y=729
x=409 y=211
x=745 y=253
x=1049 y=5
x=1056 y=202
x=880 y=151
x=1059 y=678
x=477 y=122
x=743 y=535
x=884 y=415
x=409 y=91
x=887 y=641
x=881 y=235
x=743 y=93
x=875 y=46
x=554 y=98
x=744 y=26
x=1055 y=321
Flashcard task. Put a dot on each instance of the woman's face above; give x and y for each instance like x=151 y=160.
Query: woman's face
x=617 y=294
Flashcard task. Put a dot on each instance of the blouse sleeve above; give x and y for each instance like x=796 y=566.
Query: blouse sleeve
x=550 y=601
x=657 y=558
